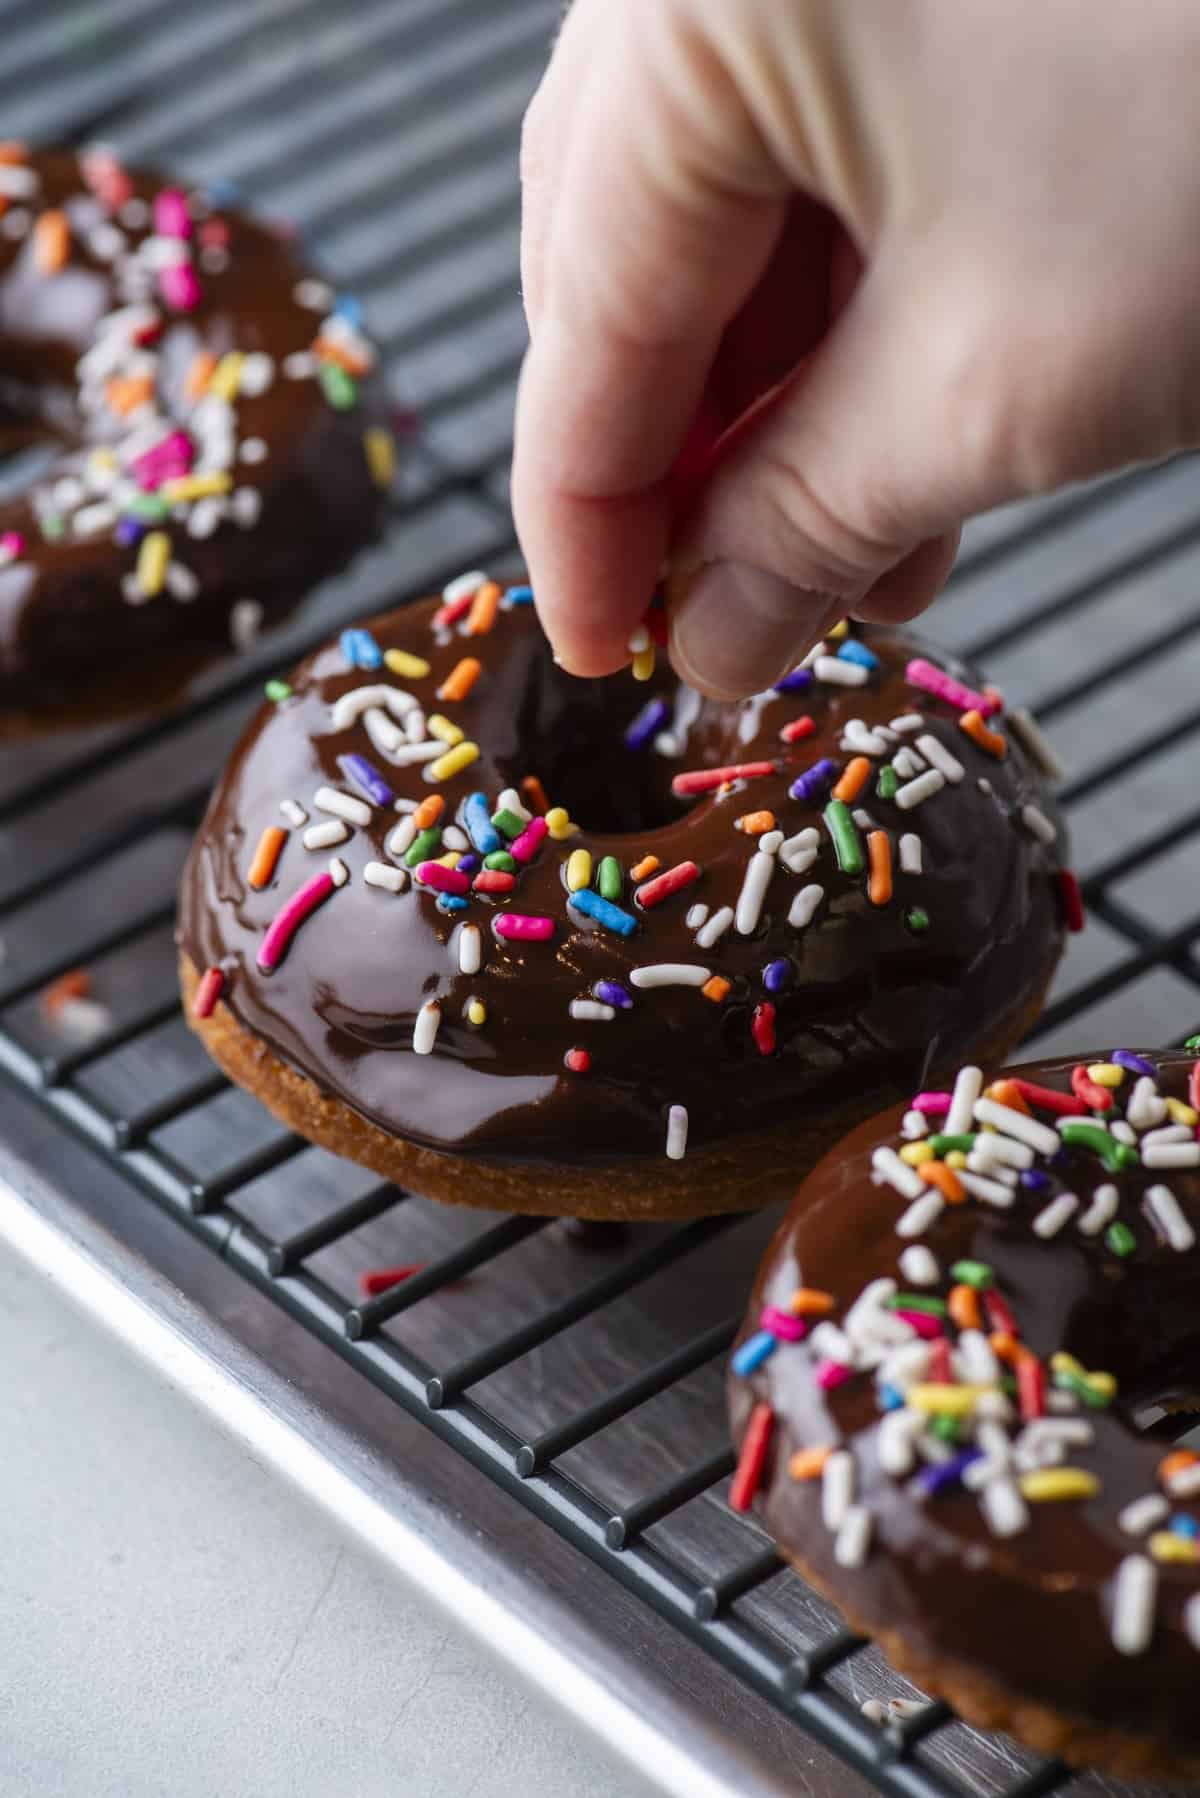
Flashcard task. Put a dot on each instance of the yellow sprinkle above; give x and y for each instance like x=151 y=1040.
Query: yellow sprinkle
x=1106 y=1073
x=406 y=666
x=226 y=377
x=453 y=762
x=945 y=1401
x=379 y=447
x=1103 y=1382
x=438 y=726
x=955 y=1158
x=476 y=1011
x=579 y=870
x=102 y=461
x=643 y=664
x=839 y=630
x=196 y=486
x=451 y=858
x=1061 y=1362
x=1049 y=1483
x=152 y=561
x=1165 y=1545
x=559 y=824
x=1179 y=1113
x=914 y=1153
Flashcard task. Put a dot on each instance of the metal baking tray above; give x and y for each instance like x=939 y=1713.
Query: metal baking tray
x=578 y=1374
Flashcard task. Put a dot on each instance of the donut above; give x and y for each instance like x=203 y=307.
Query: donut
x=935 y=1388
x=211 y=441
x=605 y=948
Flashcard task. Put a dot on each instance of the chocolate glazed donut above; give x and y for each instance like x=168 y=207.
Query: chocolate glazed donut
x=735 y=929
x=935 y=1389
x=217 y=440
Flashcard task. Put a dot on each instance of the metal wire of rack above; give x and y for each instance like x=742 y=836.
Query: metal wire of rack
x=584 y=1381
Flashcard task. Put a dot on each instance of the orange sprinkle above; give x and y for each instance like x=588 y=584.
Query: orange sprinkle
x=945 y=1179
x=1007 y=1092
x=125 y=393
x=328 y=349
x=1175 y=1463
x=963 y=1306
x=270 y=848
x=461 y=679
x=429 y=811
x=977 y=730
x=809 y=1463
x=645 y=867
x=1006 y=1348
x=75 y=984
x=810 y=1301
x=715 y=989
x=535 y=793
x=51 y=242
x=199 y=374
x=13 y=151
x=855 y=776
x=755 y=823
x=879 y=850
x=482 y=615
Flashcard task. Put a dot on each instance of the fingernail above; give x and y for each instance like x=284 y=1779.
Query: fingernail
x=736 y=629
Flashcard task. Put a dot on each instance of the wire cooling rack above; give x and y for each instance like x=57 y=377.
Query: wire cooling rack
x=582 y=1372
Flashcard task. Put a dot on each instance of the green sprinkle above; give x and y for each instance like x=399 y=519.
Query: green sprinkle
x=973 y=1273
x=916 y=1301
x=1120 y=1239
x=340 y=389
x=888 y=784
x=942 y=1145
x=1083 y=1388
x=917 y=919
x=501 y=859
x=277 y=691
x=946 y=1429
x=609 y=878
x=146 y=506
x=423 y=847
x=1192 y=1045
x=508 y=823
x=54 y=526
x=846 y=841
x=1115 y=1155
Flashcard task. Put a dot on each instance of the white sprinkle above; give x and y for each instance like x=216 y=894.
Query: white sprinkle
x=425 y=1027
x=414 y=726
x=256 y=373
x=906 y=1365
x=299 y=365
x=897 y=1434
x=1014 y=1123
x=770 y=841
x=853 y=1538
x=402 y=838
x=1055 y=1216
x=639 y=640
x=919 y=1266
x=921 y=1214
x=917 y=791
x=17 y=182
x=314 y=295
x=695 y=916
x=325 y=836
x=1135 y=1592
x=295 y=814
x=15 y=224
x=840 y=673
x=180 y=582
x=245 y=622
x=914 y=1125
x=205 y=515
x=715 y=929
x=82 y=1020
x=759 y=870
x=859 y=739
x=670 y=973
x=967 y=1087
x=589 y=1010
x=511 y=801
x=804 y=905
x=939 y=757
x=470 y=949
x=798 y=853
x=342 y=805
x=245 y=505
x=1163 y=1209
x=987 y=1188
x=677 y=1132
x=1191 y=1619
x=1121 y=1130
x=1171 y=1154
x=908 y=764
x=666 y=743
x=979 y=1163
x=411 y=754
x=864 y=820
x=382 y=874
x=454 y=838
x=385 y=736
x=89 y=521
x=1004 y=1509
x=837 y=1488
x=1146 y=1106
x=977 y=1358
x=896 y=1173
x=912 y=855
x=347 y=709
x=1101 y=1211
x=1184 y=1482
x=1032 y=739
x=462 y=585
x=1168 y=1133
x=252 y=450
x=831 y=1344
x=994 y=1150
x=339 y=873
x=1038 y=824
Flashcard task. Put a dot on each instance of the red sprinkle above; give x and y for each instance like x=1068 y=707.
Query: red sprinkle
x=209 y=988
x=762 y=1024
x=578 y=1060
x=998 y=1314
x=753 y=1458
x=1194 y=1085
x=453 y=610
x=382 y=1279
x=1031 y=1387
x=663 y=885
x=1097 y=1097
x=1061 y=1104
x=706 y=780
x=494 y=880
x=797 y=730
x=941 y=1372
x=1071 y=900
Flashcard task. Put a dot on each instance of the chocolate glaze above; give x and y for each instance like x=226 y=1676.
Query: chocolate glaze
x=67 y=632
x=1032 y=1612
x=867 y=1004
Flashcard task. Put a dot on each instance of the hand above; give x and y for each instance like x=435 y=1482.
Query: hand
x=905 y=259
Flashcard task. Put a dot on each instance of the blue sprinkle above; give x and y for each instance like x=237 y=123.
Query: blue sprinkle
x=1183 y=1525
x=612 y=994
x=451 y=902
x=795 y=682
x=518 y=596
x=775 y=975
x=1034 y=1180
x=754 y=1352
x=477 y=817
x=223 y=191
x=360 y=649
x=348 y=307
x=941 y=1475
x=810 y=785
x=367 y=778
x=602 y=912
x=129 y=531
x=854 y=651
x=1133 y=1064
x=891 y=1399
x=651 y=718
x=467 y=864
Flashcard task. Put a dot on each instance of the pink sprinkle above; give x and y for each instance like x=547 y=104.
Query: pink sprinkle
x=523 y=929
x=932 y=1102
x=831 y=1374
x=179 y=286
x=12 y=545
x=927 y=1328
x=944 y=686
x=171 y=218
x=784 y=1324
x=287 y=922
x=209 y=988
x=525 y=847
x=163 y=461
x=446 y=880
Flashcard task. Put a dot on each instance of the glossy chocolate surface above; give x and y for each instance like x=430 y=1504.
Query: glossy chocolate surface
x=867 y=1001
x=302 y=497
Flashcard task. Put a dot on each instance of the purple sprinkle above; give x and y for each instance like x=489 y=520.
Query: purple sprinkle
x=651 y=718
x=937 y=1477
x=129 y=531
x=468 y=864
x=366 y=778
x=610 y=993
x=811 y=784
x=1134 y=1064
x=1034 y=1180
x=775 y=975
x=795 y=682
